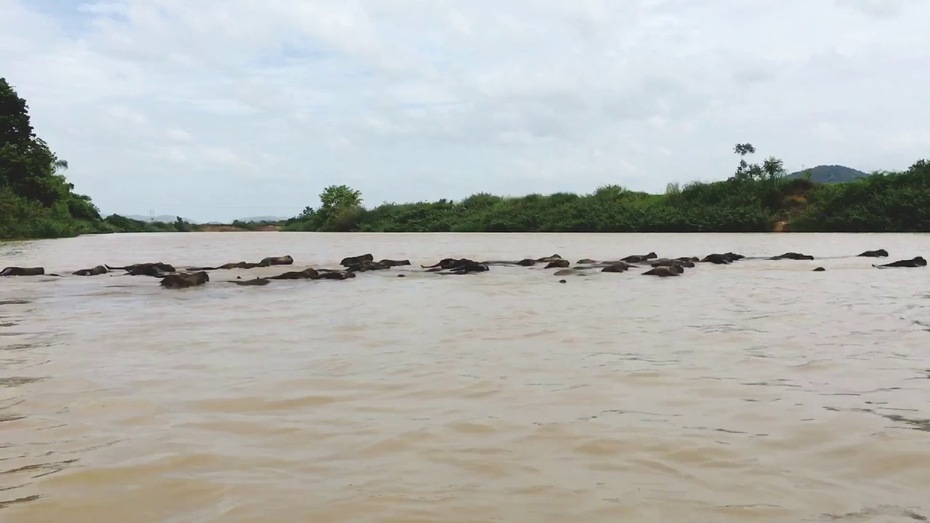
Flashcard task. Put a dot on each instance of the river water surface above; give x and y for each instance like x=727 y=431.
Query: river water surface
x=759 y=391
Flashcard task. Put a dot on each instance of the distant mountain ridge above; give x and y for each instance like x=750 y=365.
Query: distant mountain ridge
x=830 y=174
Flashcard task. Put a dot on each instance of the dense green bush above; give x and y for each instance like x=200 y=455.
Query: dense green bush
x=36 y=201
x=750 y=202
x=883 y=202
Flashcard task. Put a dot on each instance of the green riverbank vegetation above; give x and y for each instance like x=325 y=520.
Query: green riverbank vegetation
x=36 y=200
x=758 y=197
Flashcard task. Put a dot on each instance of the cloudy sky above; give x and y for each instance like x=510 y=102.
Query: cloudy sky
x=217 y=109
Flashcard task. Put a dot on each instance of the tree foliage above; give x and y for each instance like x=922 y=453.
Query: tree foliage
x=340 y=209
x=36 y=200
x=882 y=202
x=770 y=171
x=753 y=200
x=339 y=197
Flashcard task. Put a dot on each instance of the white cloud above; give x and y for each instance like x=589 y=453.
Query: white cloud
x=181 y=136
x=127 y=115
x=419 y=99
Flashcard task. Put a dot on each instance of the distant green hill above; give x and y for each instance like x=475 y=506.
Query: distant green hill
x=830 y=174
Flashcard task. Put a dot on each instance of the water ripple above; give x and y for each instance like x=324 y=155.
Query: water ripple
x=751 y=392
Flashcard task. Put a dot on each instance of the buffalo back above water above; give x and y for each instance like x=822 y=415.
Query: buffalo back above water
x=23 y=271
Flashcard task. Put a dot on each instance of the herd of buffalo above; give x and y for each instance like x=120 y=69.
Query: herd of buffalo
x=194 y=276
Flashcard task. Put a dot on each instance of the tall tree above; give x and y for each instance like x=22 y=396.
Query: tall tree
x=337 y=198
x=771 y=169
x=27 y=166
x=14 y=116
x=340 y=196
x=743 y=149
x=340 y=206
x=745 y=171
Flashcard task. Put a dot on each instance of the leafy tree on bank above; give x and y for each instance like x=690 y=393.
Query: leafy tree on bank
x=36 y=200
x=340 y=210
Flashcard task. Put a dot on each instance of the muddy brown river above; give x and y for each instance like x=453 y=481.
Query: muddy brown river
x=755 y=392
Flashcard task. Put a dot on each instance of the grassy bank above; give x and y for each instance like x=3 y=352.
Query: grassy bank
x=758 y=198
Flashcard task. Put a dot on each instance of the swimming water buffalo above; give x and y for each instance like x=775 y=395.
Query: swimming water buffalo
x=722 y=259
x=917 y=261
x=639 y=258
x=525 y=262
x=665 y=271
x=368 y=265
x=548 y=259
x=456 y=266
x=182 y=280
x=879 y=253
x=588 y=263
x=96 y=271
x=619 y=266
x=326 y=274
x=792 y=256
x=719 y=259
x=307 y=274
x=557 y=263
x=683 y=262
x=156 y=269
x=240 y=265
x=445 y=263
x=266 y=262
x=23 y=271
x=276 y=260
x=352 y=260
x=226 y=266
x=394 y=263
x=254 y=282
